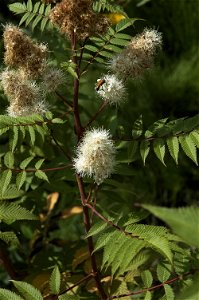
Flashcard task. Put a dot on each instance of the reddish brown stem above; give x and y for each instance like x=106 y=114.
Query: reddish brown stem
x=77 y=121
x=155 y=286
x=100 y=110
x=89 y=239
x=35 y=170
x=111 y=223
x=66 y=102
x=88 y=277
x=79 y=132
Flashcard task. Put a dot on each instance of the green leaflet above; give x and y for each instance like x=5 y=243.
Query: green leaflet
x=159 y=149
x=169 y=294
x=194 y=135
x=10 y=212
x=55 y=281
x=163 y=271
x=20 y=179
x=8 y=295
x=173 y=146
x=5 y=180
x=27 y=290
x=97 y=228
x=9 y=237
x=154 y=236
x=41 y=175
x=188 y=147
x=11 y=193
x=9 y=159
x=144 y=150
x=147 y=278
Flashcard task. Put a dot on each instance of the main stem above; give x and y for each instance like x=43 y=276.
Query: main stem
x=79 y=133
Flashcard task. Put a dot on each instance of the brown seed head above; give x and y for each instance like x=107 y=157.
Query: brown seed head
x=22 y=52
x=78 y=16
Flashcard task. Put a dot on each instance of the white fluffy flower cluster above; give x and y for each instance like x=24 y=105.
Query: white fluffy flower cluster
x=138 y=56
x=52 y=78
x=95 y=155
x=111 y=89
x=24 y=95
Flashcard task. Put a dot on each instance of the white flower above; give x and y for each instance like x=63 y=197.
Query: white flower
x=52 y=78
x=17 y=110
x=111 y=89
x=95 y=155
x=138 y=56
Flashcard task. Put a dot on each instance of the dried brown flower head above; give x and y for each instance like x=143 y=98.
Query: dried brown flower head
x=78 y=16
x=22 y=52
x=24 y=95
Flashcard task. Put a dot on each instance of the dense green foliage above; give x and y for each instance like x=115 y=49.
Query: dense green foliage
x=145 y=218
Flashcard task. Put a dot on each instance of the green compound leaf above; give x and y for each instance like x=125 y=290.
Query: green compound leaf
x=27 y=290
x=55 y=281
x=173 y=146
x=182 y=220
x=188 y=147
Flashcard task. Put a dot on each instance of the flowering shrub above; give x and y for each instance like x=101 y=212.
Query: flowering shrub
x=64 y=159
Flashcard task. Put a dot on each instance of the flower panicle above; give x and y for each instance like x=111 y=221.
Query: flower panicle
x=24 y=95
x=111 y=89
x=78 y=16
x=138 y=56
x=23 y=53
x=95 y=155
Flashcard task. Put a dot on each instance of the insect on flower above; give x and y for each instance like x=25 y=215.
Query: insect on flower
x=99 y=84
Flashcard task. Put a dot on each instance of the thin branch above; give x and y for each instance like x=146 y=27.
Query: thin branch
x=180 y=277
x=95 y=55
x=142 y=138
x=100 y=110
x=59 y=146
x=68 y=103
x=111 y=223
x=35 y=170
x=88 y=277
